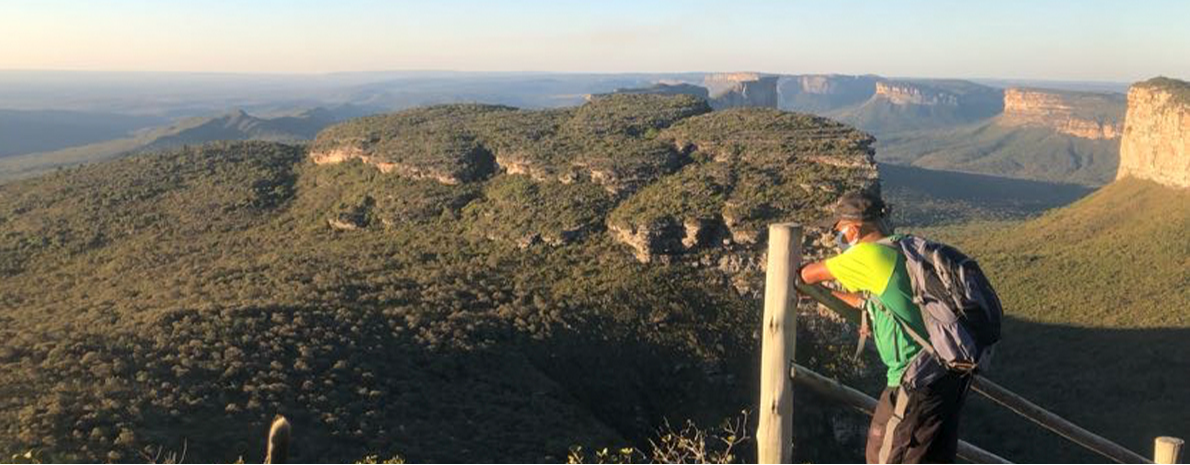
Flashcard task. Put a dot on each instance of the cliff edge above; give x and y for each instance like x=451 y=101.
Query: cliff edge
x=1156 y=141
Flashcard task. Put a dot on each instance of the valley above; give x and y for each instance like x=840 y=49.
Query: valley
x=515 y=282
x=495 y=311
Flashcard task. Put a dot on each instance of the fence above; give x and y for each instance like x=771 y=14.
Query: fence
x=779 y=372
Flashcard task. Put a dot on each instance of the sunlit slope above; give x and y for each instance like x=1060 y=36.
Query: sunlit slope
x=1118 y=258
x=1097 y=296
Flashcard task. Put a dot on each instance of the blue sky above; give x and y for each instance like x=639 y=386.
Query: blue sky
x=1070 y=40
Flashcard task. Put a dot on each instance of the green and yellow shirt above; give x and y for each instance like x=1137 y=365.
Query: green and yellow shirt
x=880 y=271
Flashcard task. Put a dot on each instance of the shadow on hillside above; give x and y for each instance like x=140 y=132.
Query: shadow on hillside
x=1128 y=385
x=923 y=197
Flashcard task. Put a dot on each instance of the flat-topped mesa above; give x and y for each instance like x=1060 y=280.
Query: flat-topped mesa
x=608 y=141
x=820 y=93
x=731 y=90
x=901 y=93
x=1081 y=114
x=660 y=88
x=1156 y=141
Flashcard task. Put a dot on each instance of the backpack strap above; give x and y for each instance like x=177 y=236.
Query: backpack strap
x=959 y=366
x=859 y=346
x=923 y=342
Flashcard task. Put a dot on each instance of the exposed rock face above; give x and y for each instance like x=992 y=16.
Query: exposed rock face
x=730 y=90
x=651 y=241
x=1080 y=114
x=816 y=93
x=749 y=168
x=1156 y=141
x=909 y=94
x=479 y=163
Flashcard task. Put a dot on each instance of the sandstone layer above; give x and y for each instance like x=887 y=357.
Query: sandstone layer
x=1156 y=141
x=1086 y=115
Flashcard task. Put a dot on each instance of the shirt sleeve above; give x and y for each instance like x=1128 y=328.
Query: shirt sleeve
x=855 y=269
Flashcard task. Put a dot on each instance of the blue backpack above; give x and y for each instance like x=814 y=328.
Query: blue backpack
x=960 y=308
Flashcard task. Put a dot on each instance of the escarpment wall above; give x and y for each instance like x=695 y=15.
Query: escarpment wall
x=1090 y=116
x=1156 y=141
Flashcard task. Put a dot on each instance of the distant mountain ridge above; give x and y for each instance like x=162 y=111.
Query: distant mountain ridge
x=1004 y=128
x=234 y=125
x=32 y=131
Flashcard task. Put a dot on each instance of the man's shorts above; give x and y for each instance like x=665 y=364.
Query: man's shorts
x=918 y=425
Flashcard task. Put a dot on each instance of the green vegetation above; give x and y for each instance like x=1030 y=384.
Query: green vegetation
x=989 y=147
x=921 y=197
x=1178 y=88
x=750 y=167
x=610 y=140
x=190 y=295
x=1122 y=235
x=517 y=209
x=688 y=444
x=1096 y=295
x=433 y=141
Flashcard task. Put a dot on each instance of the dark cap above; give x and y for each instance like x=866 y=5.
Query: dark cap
x=855 y=206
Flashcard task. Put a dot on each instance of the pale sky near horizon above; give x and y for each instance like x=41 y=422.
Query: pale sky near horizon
x=1067 y=40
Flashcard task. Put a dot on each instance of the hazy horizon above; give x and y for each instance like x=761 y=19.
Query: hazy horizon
x=1014 y=40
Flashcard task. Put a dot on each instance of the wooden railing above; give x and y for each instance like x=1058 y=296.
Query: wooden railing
x=778 y=367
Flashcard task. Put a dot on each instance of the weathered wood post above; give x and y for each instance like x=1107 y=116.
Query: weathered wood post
x=1167 y=450
x=278 y=443
x=774 y=435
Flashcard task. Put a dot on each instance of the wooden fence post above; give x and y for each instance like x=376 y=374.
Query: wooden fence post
x=278 y=443
x=1167 y=450
x=774 y=435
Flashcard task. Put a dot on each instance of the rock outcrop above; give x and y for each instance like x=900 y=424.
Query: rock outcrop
x=1156 y=141
x=909 y=94
x=731 y=90
x=750 y=167
x=1080 y=114
x=476 y=163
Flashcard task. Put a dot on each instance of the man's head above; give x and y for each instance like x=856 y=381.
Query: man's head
x=857 y=214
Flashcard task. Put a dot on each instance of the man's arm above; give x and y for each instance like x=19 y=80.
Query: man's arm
x=817 y=272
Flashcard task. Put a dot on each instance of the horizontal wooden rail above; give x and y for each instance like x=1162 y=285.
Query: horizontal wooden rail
x=866 y=404
x=1057 y=424
x=1002 y=396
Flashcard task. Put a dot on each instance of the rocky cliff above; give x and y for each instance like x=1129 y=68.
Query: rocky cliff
x=819 y=93
x=909 y=105
x=909 y=94
x=731 y=90
x=1156 y=141
x=1080 y=114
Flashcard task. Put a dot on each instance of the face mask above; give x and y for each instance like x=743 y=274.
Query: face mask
x=841 y=240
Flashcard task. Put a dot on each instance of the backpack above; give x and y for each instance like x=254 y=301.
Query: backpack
x=960 y=308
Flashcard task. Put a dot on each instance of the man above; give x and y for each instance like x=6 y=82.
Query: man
x=916 y=420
